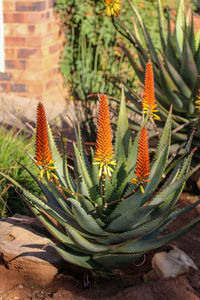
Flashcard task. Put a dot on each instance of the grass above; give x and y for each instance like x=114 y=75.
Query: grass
x=12 y=144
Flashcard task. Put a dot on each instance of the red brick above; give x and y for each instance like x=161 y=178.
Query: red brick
x=44 y=52
x=35 y=88
x=31 y=28
x=30 y=6
x=49 y=62
x=34 y=17
x=51 y=73
x=37 y=30
x=13 y=18
x=53 y=48
x=9 y=52
x=53 y=83
x=5 y=76
x=53 y=26
x=8 y=6
x=34 y=41
x=4 y=87
x=28 y=17
x=48 y=14
x=26 y=53
x=18 y=87
x=21 y=30
x=34 y=65
x=16 y=30
x=9 y=30
x=17 y=75
x=50 y=3
x=31 y=77
x=50 y=38
x=15 y=41
x=15 y=64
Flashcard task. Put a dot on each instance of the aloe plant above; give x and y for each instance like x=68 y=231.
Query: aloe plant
x=176 y=67
x=108 y=213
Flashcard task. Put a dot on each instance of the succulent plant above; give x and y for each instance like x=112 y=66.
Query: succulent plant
x=176 y=67
x=108 y=213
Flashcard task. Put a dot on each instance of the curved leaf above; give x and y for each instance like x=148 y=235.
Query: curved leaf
x=76 y=258
x=130 y=219
x=146 y=245
x=116 y=261
x=85 y=220
x=82 y=242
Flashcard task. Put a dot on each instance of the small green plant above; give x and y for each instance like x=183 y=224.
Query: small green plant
x=176 y=65
x=108 y=213
x=12 y=143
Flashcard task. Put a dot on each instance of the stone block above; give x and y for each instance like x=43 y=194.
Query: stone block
x=22 y=248
x=173 y=263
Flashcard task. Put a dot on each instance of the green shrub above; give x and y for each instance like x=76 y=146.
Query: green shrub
x=11 y=144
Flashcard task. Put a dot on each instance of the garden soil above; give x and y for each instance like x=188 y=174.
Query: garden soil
x=132 y=283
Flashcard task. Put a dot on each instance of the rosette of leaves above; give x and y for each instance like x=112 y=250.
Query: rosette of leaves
x=101 y=220
x=176 y=67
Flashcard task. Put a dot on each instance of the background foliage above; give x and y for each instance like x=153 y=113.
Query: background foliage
x=12 y=144
x=92 y=49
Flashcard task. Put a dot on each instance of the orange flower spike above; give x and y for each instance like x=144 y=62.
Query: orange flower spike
x=148 y=102
x=43 y=154
x=104 y=151
x=142 y=166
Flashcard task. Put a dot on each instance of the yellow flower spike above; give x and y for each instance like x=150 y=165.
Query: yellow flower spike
x=104 y=151
x=148 y=103
x=112 y=7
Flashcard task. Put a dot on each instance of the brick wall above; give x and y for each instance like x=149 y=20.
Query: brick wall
x=33 y=41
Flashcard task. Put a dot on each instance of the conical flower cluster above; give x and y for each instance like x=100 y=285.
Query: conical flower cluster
x=43 y=154
x=104 y=150
x=112 y=7
x=148 y=103
x=142 y=167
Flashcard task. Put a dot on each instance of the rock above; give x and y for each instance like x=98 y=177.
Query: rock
x=21 y=248
x=172 y=264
